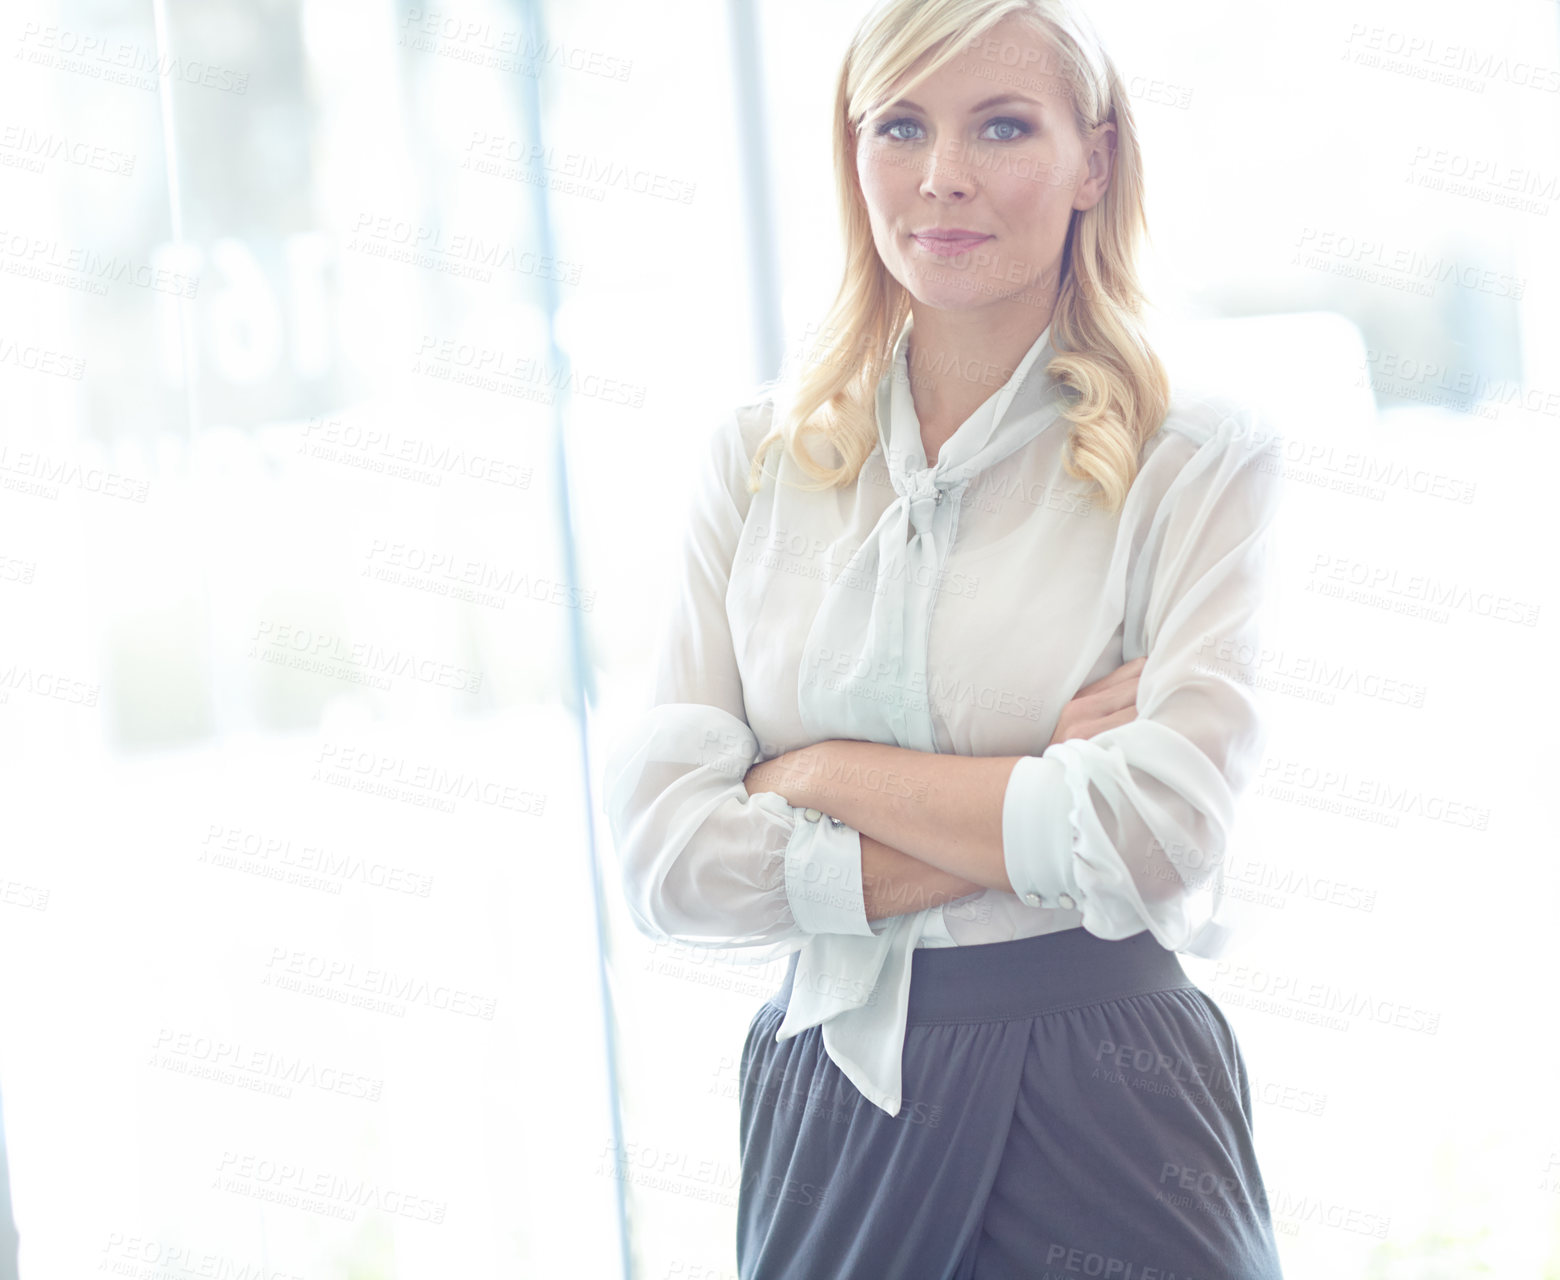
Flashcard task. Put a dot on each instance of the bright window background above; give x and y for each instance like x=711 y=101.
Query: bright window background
x=296 y=894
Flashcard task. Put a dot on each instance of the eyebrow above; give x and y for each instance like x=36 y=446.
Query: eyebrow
x=979 y=106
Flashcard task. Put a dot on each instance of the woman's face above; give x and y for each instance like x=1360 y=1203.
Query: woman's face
x=1007 y=174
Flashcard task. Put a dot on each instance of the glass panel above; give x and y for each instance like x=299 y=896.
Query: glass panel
x=300 y=930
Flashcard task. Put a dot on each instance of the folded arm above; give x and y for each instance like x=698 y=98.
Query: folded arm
x=944 y=811
x=706 y=860
x=1130 y=825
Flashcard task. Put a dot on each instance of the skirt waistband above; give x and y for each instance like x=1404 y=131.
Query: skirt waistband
x=1027 y=977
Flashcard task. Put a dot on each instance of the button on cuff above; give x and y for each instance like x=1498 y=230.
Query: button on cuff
x=1037 y=833
x=823 y=878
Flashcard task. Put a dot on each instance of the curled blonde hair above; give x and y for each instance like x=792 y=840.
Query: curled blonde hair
x=1116 y=390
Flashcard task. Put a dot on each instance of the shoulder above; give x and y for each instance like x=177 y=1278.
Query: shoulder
x=725 y=457
x=737 y=432
x=1200 y=417
x=744 y=428
x=1211 y=446
x=1209 y=428
x=736 y=439
x=751 y=422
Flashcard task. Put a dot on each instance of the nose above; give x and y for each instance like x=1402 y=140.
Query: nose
x=948 y=174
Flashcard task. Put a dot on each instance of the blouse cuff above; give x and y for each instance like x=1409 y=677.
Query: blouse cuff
x=1038 y=834
x=823 y=875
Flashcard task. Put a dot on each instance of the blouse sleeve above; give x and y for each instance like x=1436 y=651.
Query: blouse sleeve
x=702 y=862
x=1131 y=826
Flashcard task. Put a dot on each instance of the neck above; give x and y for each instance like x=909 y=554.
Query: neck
x=959 y=360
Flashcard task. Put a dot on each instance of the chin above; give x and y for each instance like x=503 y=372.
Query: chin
x=962 y=293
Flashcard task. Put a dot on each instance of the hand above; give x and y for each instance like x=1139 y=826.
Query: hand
x=1109 y=701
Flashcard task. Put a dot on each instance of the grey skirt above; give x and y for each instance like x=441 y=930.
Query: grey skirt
x=1072 y=1107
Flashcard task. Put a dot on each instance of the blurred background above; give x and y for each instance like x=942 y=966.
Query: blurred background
x=352 y=359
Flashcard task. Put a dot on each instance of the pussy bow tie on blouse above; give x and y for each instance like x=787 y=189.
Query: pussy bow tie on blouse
x=863 y=676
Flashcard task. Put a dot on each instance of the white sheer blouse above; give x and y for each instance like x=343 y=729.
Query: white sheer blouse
x=950 y=608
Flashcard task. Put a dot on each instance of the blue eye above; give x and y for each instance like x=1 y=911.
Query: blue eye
x=885 y=129
x=1018 y=125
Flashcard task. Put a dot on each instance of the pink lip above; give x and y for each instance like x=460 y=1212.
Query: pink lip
x=949 y=244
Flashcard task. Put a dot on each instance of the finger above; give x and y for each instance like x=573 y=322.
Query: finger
x=1088 y=726
x=1111 y=698
x=1124 y=716
x=1126 y=671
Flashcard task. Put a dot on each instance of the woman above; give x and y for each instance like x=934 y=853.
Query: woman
x=940 y=711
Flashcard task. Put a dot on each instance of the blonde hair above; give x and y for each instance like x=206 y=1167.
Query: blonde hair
x=1116 y=391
